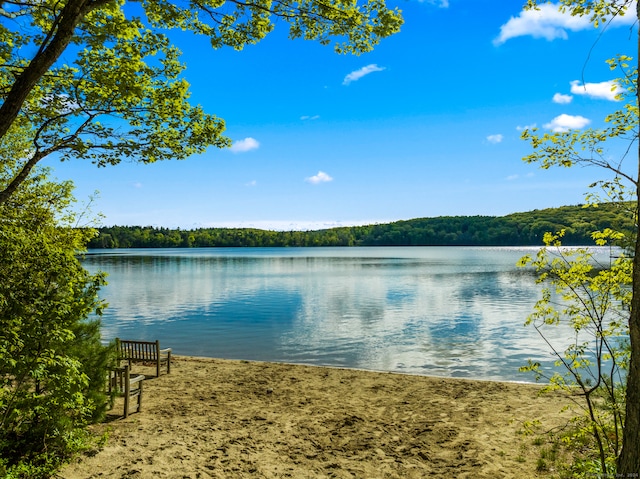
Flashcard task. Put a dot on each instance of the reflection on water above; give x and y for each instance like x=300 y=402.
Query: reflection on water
x=455 y=312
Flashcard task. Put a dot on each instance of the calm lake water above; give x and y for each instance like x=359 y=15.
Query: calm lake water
x=443 y=311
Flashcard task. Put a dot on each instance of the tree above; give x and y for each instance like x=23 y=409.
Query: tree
x=593 y=301
x=571 y=148
x=122 y=96
x=52 y=362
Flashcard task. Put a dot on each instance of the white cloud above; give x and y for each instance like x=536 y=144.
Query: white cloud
x=321 y=177
x=526 y=127
x=549 y=23
x=606 y=90
x=562 y=99
x=309 y=117
x=495 y=138
x=251 y=183
x=564 y=122
x=357 y=74
x=247 y=144
x=137 y=184
x=440 y=3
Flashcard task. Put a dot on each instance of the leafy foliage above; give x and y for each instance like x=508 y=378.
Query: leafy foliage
x=600 y=12
x=52 y=362
x=594 y=300
x=120 y=92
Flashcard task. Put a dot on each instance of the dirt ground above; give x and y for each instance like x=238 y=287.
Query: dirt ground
x=235 y=419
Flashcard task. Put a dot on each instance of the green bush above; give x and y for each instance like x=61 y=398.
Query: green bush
x=52 y=362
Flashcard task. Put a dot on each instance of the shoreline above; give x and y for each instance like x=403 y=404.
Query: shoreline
x=363 y=370
x=218 y=418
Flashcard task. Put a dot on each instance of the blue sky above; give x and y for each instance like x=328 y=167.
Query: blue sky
x=428 y=124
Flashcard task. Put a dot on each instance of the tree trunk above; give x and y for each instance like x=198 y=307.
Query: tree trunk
x=53 y=45
x=51 y=49
x=629 y=460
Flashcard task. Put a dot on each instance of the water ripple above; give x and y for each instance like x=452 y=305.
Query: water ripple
x=455 y=312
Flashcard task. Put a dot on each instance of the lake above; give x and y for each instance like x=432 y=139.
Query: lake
x=441 y=311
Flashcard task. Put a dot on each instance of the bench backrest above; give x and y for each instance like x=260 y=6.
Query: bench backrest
x=142 y=350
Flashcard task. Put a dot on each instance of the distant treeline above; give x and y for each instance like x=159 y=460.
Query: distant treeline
x=518 y=229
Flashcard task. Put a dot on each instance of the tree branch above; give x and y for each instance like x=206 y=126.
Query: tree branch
x=70 y=16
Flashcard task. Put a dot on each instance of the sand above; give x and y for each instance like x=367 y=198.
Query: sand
x=214 y=418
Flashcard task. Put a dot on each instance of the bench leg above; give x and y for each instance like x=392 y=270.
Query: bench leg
x=127 y=390
x=157 y=358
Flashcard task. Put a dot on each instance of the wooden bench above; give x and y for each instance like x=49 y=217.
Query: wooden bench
x=144 y=352
x=121 y=384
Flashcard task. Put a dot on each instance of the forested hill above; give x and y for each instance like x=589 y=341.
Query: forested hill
x=518 y=229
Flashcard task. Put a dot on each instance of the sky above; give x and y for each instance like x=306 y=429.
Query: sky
x=427 y=124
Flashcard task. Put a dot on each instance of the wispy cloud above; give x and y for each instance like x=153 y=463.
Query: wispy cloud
x=309 y=117
x=291 y=225
x=526 y=127
x=564 y=122
x=245 y=145
x=562 y=99
x=606 y=90
x=495 y=138
x=357 y=74
x=517 y=177
x=549 y=23
x=321 y=177
x=252 y=183
x=439 y=3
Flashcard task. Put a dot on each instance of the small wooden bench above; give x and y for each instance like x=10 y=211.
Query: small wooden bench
x=144 y=352
x=122 y=384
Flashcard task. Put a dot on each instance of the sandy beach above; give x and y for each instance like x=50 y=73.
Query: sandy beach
x=215 y=418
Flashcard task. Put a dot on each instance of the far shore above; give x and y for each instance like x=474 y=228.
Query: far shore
x=213 y=418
